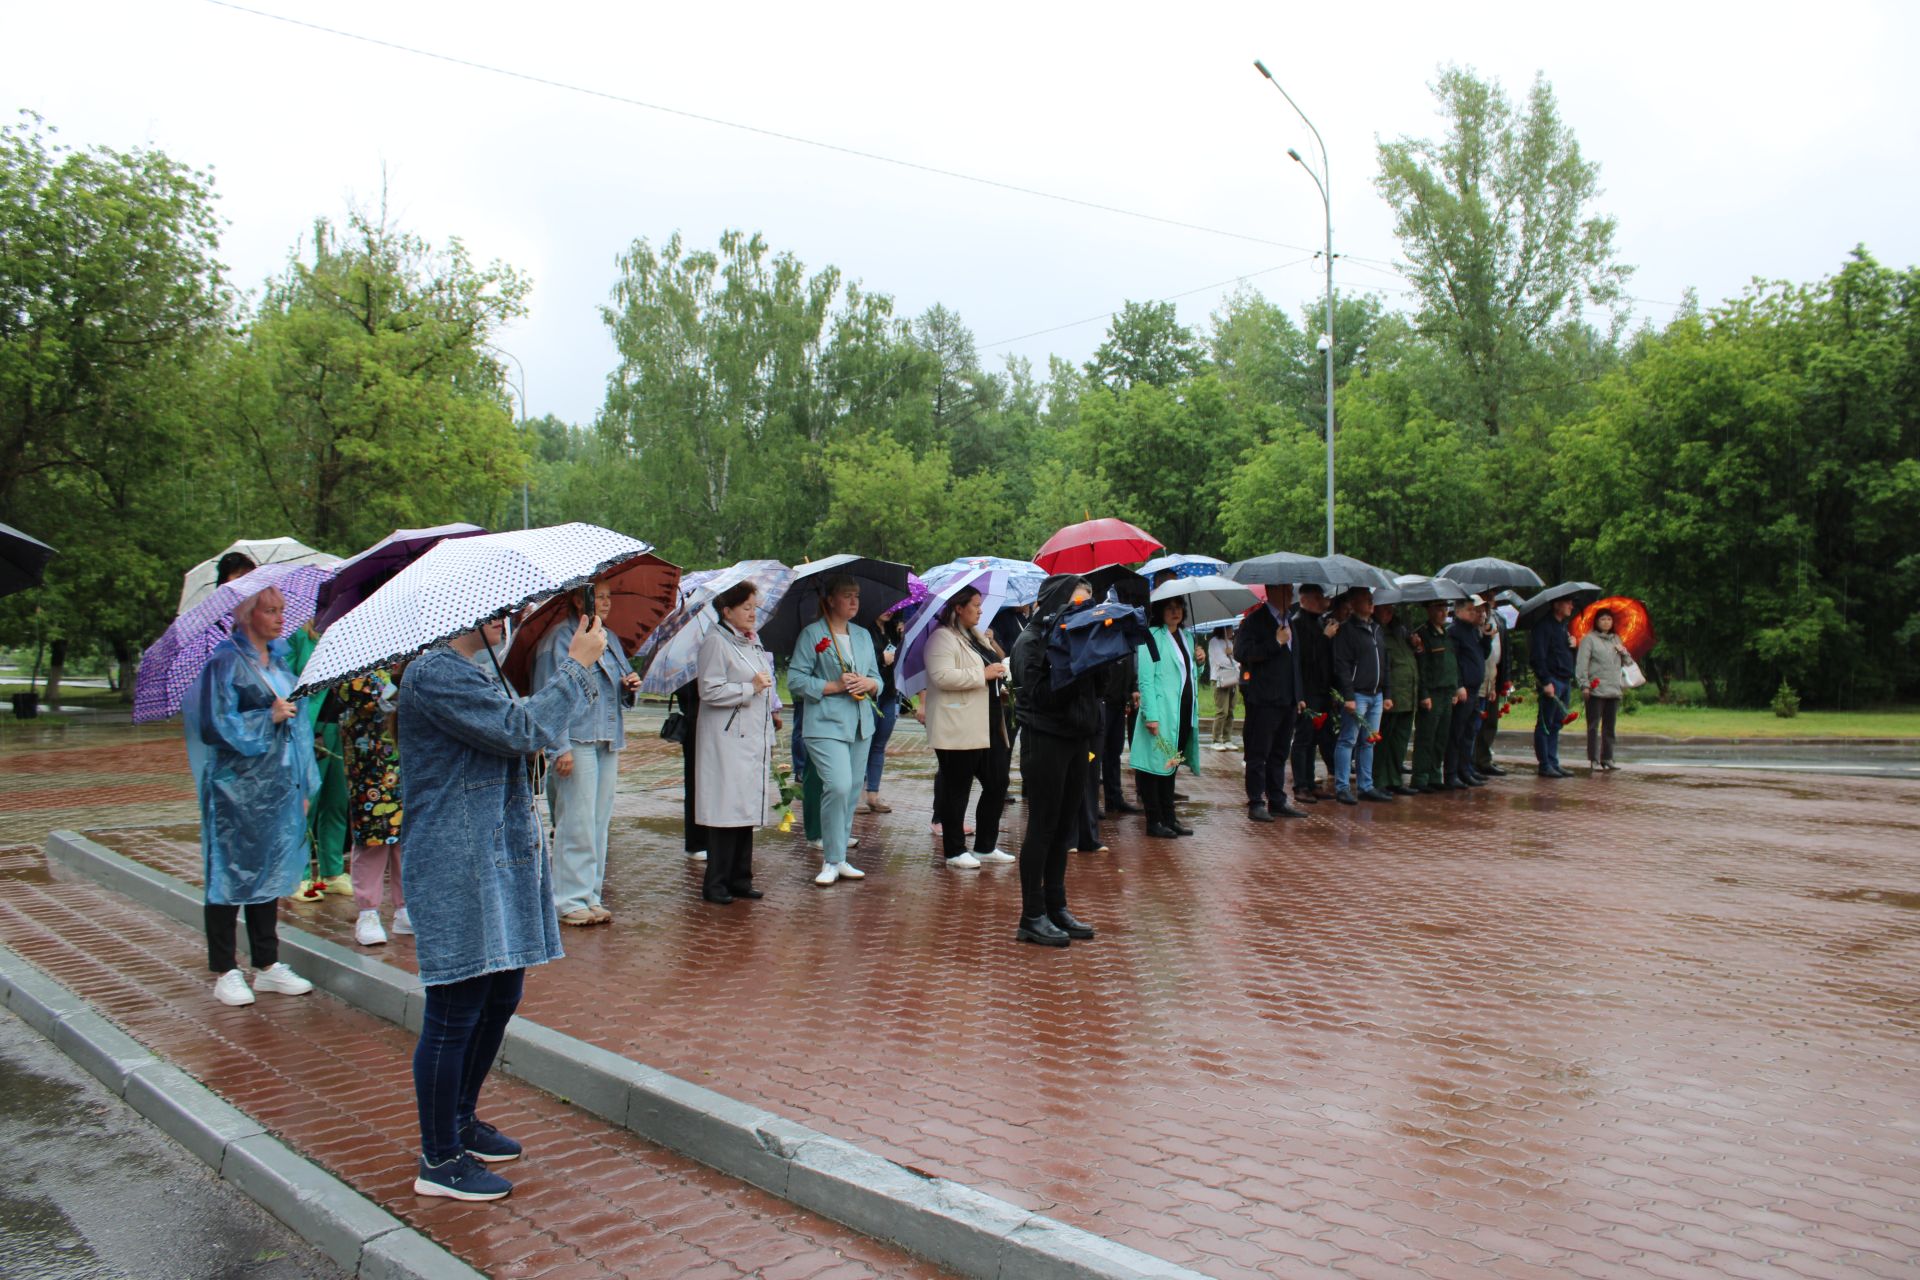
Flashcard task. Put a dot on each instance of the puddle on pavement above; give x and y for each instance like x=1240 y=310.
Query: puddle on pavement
x=38 y=1239
x=26 y=872
x=1880 y=897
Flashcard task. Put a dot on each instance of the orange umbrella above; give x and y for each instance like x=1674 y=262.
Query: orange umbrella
x=645 y=590
x=1630 y=623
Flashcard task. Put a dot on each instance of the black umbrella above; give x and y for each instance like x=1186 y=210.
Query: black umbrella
x=1281 y=569
x=1128 y=587
x=883 y=584
x=1581 y=593
x=1343 y=573
x=1491 y=574
x=23 y=560
x=1413 y=589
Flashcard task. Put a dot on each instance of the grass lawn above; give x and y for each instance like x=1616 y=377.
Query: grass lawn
x=1719 y=722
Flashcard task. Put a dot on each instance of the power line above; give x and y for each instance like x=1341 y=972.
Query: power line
x=760 y=130
x=1185 y=293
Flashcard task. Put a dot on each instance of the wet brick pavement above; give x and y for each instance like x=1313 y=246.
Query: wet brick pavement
x=1647 y=1024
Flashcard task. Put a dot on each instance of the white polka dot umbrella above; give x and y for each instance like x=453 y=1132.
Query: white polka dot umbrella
x=457 y=586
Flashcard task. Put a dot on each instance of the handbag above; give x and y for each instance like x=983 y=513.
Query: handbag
x=674 y=727
x=1631 y=676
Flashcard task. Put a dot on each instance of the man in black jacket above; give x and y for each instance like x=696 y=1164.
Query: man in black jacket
x=1359 y=658
x=1315 y=667
x=1058 y=724
x=1470 y=649
x=1270 y=688
x=1494 y=627
x=1551 y=655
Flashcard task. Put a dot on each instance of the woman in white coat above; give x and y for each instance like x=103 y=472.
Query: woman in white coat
x=733 y=744
x=967 y=727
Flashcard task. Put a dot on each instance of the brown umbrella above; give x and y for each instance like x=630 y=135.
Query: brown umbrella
x=645 y=590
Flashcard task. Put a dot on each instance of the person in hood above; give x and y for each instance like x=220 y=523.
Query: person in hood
x=1058 y=721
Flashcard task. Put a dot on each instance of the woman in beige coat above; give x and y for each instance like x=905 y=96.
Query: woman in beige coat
x=966 y=681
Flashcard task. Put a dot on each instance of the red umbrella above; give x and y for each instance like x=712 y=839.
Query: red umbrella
x=645 y=590
x=1630 y=623
x=1095 y=544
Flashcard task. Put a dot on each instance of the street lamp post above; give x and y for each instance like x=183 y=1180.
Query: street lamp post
x=1326 y=339
x=521 y=389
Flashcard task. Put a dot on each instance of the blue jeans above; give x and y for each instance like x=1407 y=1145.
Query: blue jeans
x=886 y=713
x=460 y=1033
x=582 y=813
x=1546 y=727
x=1365 y=716
x=841 y=765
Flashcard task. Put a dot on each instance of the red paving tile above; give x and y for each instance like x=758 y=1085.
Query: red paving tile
x=590 y=1200
x=1512 y=1031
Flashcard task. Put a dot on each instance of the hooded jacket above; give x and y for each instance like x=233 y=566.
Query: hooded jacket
x=1071 y=710
x=1359 y=655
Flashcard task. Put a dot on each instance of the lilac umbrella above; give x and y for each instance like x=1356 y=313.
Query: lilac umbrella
x=674 y=661
x=360 y=576
x=169 y=668
x=912 y=669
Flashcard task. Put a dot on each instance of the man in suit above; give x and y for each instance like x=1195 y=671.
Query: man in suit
x=1470 y=661
x=1270 y=688
x=1313 y=664
x=1551 y=653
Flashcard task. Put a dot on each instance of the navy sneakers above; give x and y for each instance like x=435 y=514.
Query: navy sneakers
x=484 y=1142
x=461 y=1178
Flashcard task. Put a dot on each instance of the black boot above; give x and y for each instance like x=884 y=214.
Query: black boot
x=1064 y=921
x=1041 y=930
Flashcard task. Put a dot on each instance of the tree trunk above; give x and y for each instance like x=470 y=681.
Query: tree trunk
x=56 y=668
x=124 y=657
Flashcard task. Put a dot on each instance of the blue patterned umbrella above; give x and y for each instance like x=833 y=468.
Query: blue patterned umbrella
x=169 y=668
x=676 y=657
x=1182 y=566
x=1020 y=579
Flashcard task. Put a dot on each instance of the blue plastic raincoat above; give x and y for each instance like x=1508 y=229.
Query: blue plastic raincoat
x=254 y=775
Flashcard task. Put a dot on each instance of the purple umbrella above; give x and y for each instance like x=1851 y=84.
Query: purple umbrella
x=912 y=669
x=356 y=579
x=169 y=668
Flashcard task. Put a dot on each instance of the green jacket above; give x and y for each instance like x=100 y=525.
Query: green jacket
x=1159 y=684
x=1403 y=671
x=1439 y=672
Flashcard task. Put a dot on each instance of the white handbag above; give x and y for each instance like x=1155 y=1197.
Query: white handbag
x=1631 y=675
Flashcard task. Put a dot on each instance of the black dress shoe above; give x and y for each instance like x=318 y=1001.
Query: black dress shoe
x=1290 y=811
x=1558 y=772
x=1075 y=929
x=1180 y=828
x=744 y=891
x=1161 y=831
x=1546 y=772
x=1258 y=813
x=1473 y=780
x=1041 y=931
x=1181 y=795
x=1428 y=788
x=1453 y=785
x=1121 y=806
x=1492 y=770
x=1305 y=797
x=719 y=897
x=1377 y=795
x=1405 y=791
x=1344 y=796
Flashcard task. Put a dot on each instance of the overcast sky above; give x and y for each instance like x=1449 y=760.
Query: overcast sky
x=1734 y=141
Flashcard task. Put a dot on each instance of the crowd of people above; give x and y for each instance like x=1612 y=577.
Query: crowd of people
x=442 y=749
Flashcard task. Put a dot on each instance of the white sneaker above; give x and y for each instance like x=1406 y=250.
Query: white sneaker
x=965 y=862
x=816 y=844
x=828 y=874
x=278 y=977
x=698 y=855
x=367 y=931
x=232 y=989
x=848 y=871
x=853 y=842
x=402 y=922
x=998 y=855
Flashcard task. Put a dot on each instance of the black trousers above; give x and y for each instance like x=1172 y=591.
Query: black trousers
x=1462 y=732
x=729 y=858
x=959 y=770
x=1602 y=715
x=1113 y=741
x=1268 y=734
x=1306 y=738
x=1053 y=779
x=1086 y=827
x=696 y=835
x=263 y=935
x=1156 y=795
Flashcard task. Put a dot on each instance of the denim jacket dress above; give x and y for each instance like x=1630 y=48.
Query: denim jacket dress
x=479 y=887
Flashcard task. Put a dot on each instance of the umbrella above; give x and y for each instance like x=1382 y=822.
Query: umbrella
x=675 y=659
x=1181 y=566
x=1210 y=599
x=456 y=586
x=911 y=663
x=1343 y=573
x=174 y=661
x=882 y=582
x=199 y=580
x=1094 y=635
x=1490 y=574
x=670 y=625
x=917 y=593
x=1578 y=592
x=1124 y=584
x=1084 y=547
x=1414 y=588
x=1021 y=578
x=23 y=560
x=1282 y=568
x=645 y=590
x=1630 y=623
x=358 y=577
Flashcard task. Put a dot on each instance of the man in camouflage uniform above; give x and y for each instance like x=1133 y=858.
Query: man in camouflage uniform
x=1439 y=681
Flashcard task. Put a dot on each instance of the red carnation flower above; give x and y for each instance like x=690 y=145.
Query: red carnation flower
x=1594 y=683
x=826 y=642
x=1320 y=720
x=1571 y=717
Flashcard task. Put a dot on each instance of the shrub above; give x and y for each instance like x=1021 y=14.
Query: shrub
x=1786 y=703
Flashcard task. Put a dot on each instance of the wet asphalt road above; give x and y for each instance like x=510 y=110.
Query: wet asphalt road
x=94 y=1192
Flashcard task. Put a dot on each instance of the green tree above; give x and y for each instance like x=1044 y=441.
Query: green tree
x=1496 y=221
x=1166 y=455
x=365 y=392
x=1145 y=343
x=884 y=499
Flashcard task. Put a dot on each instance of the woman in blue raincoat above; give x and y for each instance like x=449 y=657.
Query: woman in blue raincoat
x=255 y=777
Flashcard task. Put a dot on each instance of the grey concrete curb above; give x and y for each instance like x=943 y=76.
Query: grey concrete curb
x=946 y=1222
x=343 y=1224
